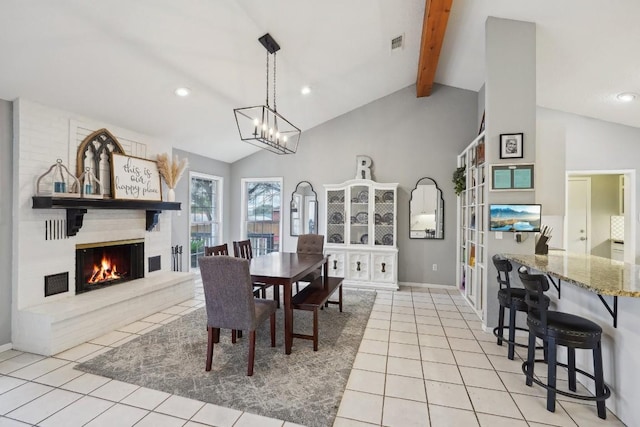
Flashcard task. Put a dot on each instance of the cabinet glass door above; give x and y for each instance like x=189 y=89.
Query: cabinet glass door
x=336 y=213
x=384 y=202
x=359 y=221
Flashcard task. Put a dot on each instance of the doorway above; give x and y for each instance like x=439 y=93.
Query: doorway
x=596 y=221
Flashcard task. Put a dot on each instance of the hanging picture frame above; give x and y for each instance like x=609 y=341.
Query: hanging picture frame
x=518 y=177
x=511 y=145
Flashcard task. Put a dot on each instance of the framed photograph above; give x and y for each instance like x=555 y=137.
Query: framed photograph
x=511 y=145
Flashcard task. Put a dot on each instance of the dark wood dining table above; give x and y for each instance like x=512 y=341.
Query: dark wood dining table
x=284 y=269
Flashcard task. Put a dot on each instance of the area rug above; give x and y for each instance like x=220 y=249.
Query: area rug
x=304 y=387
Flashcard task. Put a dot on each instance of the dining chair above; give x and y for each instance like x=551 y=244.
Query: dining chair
x=229 y=301
x=242 y=249
x=310 y=244
x=222 y=249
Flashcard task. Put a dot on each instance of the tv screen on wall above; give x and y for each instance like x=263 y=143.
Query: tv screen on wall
x=515 y=217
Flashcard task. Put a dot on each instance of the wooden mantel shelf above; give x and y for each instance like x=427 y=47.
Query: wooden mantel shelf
x=77 y=207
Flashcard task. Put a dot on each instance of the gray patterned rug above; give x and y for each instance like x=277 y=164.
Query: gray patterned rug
x=305 y=387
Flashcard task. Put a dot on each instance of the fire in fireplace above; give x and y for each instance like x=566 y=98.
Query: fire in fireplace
x=108 y=263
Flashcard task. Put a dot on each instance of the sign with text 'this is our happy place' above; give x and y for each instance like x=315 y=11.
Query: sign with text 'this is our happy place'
x=133 y=178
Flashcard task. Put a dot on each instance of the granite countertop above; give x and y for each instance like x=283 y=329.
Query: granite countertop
x=596 y=274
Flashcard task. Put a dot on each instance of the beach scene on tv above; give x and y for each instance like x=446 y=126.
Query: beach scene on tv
x=515 y=217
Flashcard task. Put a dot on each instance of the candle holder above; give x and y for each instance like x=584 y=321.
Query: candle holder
x=57 y=181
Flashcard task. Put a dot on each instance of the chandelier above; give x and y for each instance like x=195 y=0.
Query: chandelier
x=262 y=125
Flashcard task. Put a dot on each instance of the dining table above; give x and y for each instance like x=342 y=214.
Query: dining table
x=284 y=269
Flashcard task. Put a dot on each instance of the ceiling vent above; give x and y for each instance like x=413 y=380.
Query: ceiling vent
x=397 y=43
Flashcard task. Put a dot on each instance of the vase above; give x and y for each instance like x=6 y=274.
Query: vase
x=171 y=195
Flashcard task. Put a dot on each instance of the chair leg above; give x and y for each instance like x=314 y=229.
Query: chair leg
x=512 y=332
x=340 y=298
x=297 y=287
x=272 y=321
x=571 y=366
x=216 y=335
x=597 y=367
x=252 y=352
x=211 y=334
x=500 y=323
x=239 y=333
x=315 y=329
x=551 y=375
x=531 y=355
x=276 y=295
x=233 y=336
x=263 y=293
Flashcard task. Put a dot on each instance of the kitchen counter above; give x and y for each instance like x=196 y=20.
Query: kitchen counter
x=603 y=276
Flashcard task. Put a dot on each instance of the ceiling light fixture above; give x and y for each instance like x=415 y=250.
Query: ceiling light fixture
x=182 y=91
x=306 y=90
x=262 y=125
x=626 y=96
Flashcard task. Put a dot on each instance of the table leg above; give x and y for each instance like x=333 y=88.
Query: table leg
x=288 y=319
x=325 y=273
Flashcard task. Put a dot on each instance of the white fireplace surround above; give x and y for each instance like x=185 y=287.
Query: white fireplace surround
x=48 y=325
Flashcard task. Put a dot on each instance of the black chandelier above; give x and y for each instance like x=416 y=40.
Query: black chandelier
x=262 y=125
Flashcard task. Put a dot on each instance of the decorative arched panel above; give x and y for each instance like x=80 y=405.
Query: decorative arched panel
x=95 y=153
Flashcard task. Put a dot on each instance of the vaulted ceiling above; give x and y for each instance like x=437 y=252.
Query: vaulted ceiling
x=119 y=61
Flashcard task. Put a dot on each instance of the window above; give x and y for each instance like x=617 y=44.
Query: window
x=261 y=208
x=205 y=214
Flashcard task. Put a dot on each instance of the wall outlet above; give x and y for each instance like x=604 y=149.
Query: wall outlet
x=435 y=267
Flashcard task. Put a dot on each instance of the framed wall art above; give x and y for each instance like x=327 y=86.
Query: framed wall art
x=512 y=177
x=511 y=145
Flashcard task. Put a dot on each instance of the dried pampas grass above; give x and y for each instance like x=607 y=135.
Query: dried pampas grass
x=171 y=171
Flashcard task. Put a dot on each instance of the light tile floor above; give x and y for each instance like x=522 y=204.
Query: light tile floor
x=423 y=361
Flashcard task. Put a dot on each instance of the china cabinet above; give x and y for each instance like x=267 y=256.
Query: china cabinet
x=471 y=274
x=362 y=233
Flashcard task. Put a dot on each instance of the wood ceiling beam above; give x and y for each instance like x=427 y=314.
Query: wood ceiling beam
x=436 y=16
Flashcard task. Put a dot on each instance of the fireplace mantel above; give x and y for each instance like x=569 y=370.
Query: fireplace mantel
x=77 y=207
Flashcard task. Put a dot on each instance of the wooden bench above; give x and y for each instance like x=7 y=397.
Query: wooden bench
x=314 y=297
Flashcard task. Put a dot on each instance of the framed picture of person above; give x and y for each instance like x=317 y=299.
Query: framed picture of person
x=511 y=145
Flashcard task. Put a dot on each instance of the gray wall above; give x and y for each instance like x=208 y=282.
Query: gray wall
x=180 y=223
x=510 y=102
x=6 y=195
x=408 y=138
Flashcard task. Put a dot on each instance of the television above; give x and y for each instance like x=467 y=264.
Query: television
x=515 y=217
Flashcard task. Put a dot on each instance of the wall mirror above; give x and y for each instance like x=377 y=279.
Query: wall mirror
x=304 y=210
x=426 y=211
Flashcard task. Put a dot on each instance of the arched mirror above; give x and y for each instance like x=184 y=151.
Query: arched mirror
x=426 y=211
x=304 y=210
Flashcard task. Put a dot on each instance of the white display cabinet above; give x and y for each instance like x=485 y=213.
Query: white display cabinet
x=362 y=233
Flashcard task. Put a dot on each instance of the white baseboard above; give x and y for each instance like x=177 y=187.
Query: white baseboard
x=5 y=347
x=426 y=285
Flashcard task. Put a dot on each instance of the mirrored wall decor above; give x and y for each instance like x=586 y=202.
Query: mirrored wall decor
x=426 y=211
x=304 y=210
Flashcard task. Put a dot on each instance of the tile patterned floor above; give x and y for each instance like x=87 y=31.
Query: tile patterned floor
x=423 y=361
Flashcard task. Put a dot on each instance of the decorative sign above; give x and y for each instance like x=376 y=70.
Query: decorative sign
x=363 y=167
x=512 y=177
x=133 y=178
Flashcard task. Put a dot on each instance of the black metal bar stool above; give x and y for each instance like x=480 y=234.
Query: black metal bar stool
x=556 y=328
x=511 y=298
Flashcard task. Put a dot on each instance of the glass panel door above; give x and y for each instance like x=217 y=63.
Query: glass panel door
x=205 y=215
x=262 y=213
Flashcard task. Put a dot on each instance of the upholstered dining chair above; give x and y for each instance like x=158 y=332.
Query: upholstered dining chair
x=230 y=304
x=310 y=244
x=223 y=249
x=242 y=249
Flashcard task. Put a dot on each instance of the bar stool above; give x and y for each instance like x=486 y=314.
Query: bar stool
x=511 y=298
x=556 y=328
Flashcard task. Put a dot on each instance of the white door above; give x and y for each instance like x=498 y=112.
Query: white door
x=578 y=215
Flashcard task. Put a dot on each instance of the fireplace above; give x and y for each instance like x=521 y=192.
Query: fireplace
x=99 y=265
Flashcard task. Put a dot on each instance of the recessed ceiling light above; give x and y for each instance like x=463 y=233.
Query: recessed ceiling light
x=183 y=91
x=306 y=90
x=626 y=96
